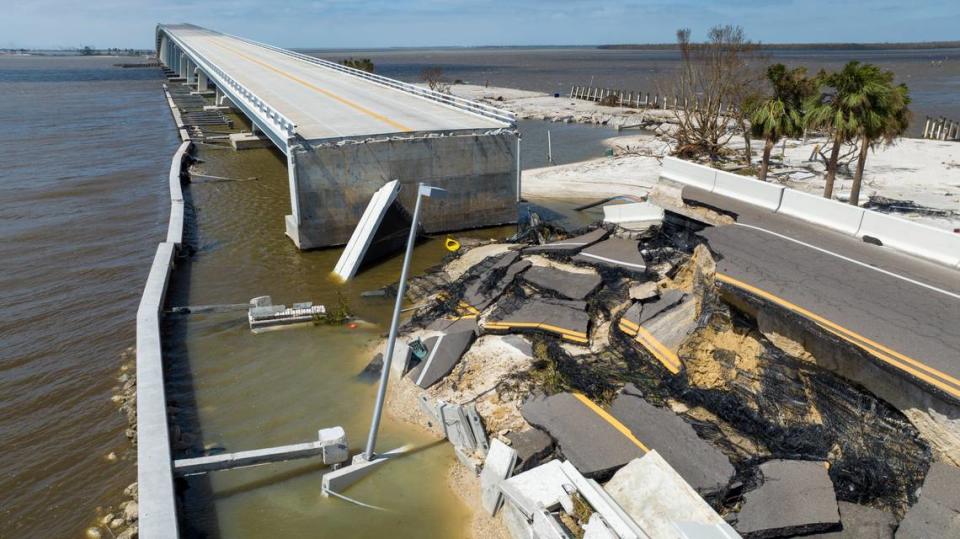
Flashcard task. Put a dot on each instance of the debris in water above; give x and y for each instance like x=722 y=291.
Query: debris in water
x=264 y=314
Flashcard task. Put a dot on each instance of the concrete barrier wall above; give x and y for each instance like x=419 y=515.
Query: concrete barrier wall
x=822 y=211
x=925 y=241
x=156 y=503
x=916 y=239
x=689 y=173
x=175 y=226
x=764 y=194
x=334 y=183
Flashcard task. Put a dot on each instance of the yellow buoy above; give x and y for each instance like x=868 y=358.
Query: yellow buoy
x=452 y=245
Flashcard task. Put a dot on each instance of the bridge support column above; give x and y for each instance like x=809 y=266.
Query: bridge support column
x=201 y=81
x=331 y=185
x=183 y=66
x=191 y=72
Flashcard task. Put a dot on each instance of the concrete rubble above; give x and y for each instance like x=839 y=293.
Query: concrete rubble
x=444 y=351
x=569 y=285
x=700 y=464
x=591 y=443
x=662 y=504
x=581 y=355
x=569 y=246
x=937 y=512
x=618 y=253
x=795 y=498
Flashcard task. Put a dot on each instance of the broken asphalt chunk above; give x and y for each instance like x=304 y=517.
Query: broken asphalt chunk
x=592 y=440
x=861 y=522
x=531 y=445
x=569 y=246
x=701 y=464
x=796 y=498
x=614 y=253
x=937 y=511
x=563 y=318
x=493 y=280
x=444 y=353
x=662 y=332
x=568 y=284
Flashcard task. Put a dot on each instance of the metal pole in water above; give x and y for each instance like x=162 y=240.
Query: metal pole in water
x=519 y=197
x=422 y=191
x=549 y=148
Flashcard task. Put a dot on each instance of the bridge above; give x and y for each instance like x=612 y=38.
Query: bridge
x=346 y=132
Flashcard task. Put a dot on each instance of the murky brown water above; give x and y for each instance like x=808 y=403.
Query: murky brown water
x=84 y=153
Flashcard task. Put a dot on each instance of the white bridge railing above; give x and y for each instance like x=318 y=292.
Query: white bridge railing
x=277 y=126
x=425 y=93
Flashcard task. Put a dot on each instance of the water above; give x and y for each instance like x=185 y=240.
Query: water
x=83 y=203
x=932 y=75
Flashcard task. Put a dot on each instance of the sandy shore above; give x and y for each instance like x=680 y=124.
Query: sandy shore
x=923 y=171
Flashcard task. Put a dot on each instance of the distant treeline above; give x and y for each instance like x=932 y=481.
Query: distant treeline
x=806 y=46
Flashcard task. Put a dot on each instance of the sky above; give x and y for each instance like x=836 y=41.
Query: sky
x=420 y=23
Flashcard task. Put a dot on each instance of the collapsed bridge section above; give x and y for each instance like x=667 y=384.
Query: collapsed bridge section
x=346 y=133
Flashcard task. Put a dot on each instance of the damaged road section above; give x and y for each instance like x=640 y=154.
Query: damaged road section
x=601 y=364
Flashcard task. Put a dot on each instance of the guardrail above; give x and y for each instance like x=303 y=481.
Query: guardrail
x=917 y=239
x=425 y=93
x=252 y=104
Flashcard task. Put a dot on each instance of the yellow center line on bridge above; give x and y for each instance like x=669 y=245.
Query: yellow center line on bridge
x=917 y=368
x=318 y=89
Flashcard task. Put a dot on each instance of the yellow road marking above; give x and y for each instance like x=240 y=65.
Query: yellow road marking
x=316 y=88
x=933 y=376
x=614 y=422
x=659 y=350
x=575 y=336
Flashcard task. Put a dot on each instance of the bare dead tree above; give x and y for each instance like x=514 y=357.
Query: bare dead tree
x=435 y=79
x=720 y=72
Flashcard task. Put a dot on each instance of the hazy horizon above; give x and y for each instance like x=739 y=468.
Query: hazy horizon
x=378 y=24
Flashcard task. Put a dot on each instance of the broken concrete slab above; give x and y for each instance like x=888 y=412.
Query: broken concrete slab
x=532 y=446
x=356 y=248
x=636 y=216
x=569 y=246
x=567 y=319
x=644 y=291
x=592 y=440
x=542 y=486
x=662 y=335
x=498 y=466
x=700 y=464
x=614 y=253
x=937 y=511
x=545 y=526
x=489 y=285
x=444 y=352
x=861 y=522
x=595 y=528
x=662 y=504
x=564 y=283
x=795 y=498
x=667 y=299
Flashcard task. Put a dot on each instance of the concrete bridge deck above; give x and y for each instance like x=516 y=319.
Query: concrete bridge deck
x=347 y=132
x=322 y=102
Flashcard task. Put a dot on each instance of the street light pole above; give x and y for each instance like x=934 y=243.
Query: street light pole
x=422 y=191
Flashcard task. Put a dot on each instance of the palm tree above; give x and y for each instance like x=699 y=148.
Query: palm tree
x=862 y=105
x=780 y=114
x=885 y=117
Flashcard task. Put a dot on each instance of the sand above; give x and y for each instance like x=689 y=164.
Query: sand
x=924 y=171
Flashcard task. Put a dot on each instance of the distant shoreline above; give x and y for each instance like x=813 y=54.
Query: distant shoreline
x=807 y=46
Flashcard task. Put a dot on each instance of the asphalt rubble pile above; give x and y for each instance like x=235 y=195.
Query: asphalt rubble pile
x=608 y=355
